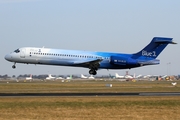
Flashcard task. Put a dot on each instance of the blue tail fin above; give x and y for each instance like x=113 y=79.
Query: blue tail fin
x=155 y=47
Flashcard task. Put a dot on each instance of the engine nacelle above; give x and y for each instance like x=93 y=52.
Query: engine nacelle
x=117 y=60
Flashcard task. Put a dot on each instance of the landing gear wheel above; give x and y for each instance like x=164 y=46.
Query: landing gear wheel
x=13 y=66
x=92 y=72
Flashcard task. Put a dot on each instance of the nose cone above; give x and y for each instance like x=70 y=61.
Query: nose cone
x=8 y=57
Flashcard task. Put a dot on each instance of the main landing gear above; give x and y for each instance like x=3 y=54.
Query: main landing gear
x=93 y=68
x=14 y=66
x=92 y=72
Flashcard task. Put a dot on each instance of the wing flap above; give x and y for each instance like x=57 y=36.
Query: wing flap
x=88 y=61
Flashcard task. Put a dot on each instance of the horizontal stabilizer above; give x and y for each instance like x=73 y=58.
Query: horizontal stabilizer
x=162 y=40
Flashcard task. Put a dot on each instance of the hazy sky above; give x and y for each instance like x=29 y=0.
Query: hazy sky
x=124 y=26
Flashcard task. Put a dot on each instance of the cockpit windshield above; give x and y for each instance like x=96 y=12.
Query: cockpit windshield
x=17 y=51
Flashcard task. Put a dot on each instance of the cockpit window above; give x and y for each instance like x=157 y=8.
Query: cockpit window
x=17 y=51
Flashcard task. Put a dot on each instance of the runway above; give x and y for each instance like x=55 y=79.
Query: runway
x=89 y=94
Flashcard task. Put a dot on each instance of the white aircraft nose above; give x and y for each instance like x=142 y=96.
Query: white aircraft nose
x=8 y=57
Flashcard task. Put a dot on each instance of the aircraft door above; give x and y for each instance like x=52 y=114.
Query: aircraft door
x=22 y=53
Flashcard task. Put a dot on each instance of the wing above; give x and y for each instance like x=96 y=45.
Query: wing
x=91 y=64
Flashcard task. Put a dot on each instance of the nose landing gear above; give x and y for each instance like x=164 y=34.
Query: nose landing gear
x=14 y=66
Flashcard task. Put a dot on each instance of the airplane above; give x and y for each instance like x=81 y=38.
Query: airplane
x=91 y=77
x=83 y=77
x=138 y=76
x=111 y=76
x=69 y=77
x=118 y=76
x=50 y=77
x=59 y=78
x=147 y=76
x=164 y=76
x=88 y=59
x=128 y=77
x=29 y=78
